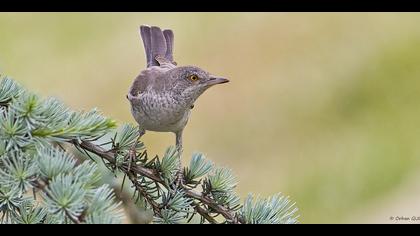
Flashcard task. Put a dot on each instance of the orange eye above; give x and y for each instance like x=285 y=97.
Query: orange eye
x=193 y=77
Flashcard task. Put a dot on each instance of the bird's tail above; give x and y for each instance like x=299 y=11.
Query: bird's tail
x=157 y=43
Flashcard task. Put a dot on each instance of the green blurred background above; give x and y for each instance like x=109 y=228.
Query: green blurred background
x=322 y=107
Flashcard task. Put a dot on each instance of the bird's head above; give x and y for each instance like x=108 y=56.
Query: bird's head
x=192 y=81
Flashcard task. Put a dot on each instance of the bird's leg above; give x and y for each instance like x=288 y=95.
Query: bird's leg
x=180 y=176
x=132 y=152
x=179 y=141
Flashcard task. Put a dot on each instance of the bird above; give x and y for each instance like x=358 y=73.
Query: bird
x=163 y=94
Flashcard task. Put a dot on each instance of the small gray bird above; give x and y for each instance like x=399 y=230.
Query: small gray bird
x=163 y=94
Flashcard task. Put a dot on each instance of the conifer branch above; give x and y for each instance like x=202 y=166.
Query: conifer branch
x=153 y=175
x=33 y=157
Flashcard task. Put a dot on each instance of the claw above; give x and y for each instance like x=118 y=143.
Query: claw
x=132 y=152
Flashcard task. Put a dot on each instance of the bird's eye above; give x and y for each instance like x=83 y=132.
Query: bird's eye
x=193 y=77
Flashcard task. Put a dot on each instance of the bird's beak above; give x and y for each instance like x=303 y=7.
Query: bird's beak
x=216 y=80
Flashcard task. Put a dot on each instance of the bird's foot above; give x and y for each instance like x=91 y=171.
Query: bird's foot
x=179 y=181
x=132 y=153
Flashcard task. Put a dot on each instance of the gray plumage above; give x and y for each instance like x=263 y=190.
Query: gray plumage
x=163 y=94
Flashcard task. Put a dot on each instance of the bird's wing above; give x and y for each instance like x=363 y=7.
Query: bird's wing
x=157 y=43
x=147 y=79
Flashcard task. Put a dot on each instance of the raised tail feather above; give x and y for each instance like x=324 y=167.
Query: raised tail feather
x=157 y=43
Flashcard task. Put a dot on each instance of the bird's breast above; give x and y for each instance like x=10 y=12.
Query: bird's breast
x=160 y=112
